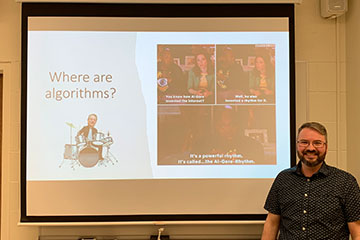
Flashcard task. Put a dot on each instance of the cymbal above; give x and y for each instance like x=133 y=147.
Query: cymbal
x=70 y=124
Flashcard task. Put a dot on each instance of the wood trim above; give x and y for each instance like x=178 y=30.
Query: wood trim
x=1 y=137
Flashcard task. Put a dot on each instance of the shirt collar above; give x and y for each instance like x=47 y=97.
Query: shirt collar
x=324 y=169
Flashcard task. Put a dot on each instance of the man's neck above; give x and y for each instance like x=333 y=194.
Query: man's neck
x=309 y=171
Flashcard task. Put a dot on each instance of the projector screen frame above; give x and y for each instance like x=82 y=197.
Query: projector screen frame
x=147 y=10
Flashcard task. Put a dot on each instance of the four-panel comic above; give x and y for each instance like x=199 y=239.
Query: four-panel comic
x=216 y=104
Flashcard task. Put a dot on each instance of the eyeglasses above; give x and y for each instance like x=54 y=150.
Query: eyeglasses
x=316 y=143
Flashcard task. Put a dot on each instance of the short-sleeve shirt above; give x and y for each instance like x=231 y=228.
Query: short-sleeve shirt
x=318 y=207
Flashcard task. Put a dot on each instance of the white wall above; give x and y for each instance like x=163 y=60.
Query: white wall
x=321 y=96
x=353 y=86
x=317 y=40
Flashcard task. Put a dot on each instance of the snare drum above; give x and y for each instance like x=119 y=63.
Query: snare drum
x=98 y=139
x=108 y=141
x=88 y=156
x=80 y=141
x=70 y=152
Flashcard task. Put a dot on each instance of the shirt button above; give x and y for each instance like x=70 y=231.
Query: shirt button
x=305 y=211
x=303 y=228
x=308 y=179
x=305 y=194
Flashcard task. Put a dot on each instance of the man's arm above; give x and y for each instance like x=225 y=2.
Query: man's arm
x=354 y=228
x=271 y=227
x=81 y=131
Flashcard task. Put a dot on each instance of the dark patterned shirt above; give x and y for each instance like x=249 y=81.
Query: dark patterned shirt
x=318 y=207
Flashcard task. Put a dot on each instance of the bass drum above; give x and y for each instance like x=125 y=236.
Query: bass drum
x=88 y=157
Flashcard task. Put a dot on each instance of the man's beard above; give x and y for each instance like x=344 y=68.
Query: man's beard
x=319 y=159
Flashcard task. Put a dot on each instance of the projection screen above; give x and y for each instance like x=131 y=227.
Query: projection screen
x=153 y=112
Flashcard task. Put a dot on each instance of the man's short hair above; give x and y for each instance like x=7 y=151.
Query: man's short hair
x=92 y=114
x=314 y=126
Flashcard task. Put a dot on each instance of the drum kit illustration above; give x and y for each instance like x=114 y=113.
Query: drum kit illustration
x=89 y=152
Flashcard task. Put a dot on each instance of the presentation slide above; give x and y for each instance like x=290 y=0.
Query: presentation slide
x=109 y=108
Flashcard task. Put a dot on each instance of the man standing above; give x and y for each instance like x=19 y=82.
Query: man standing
x=231 y=78
x=171 y=79
x=313 y=200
